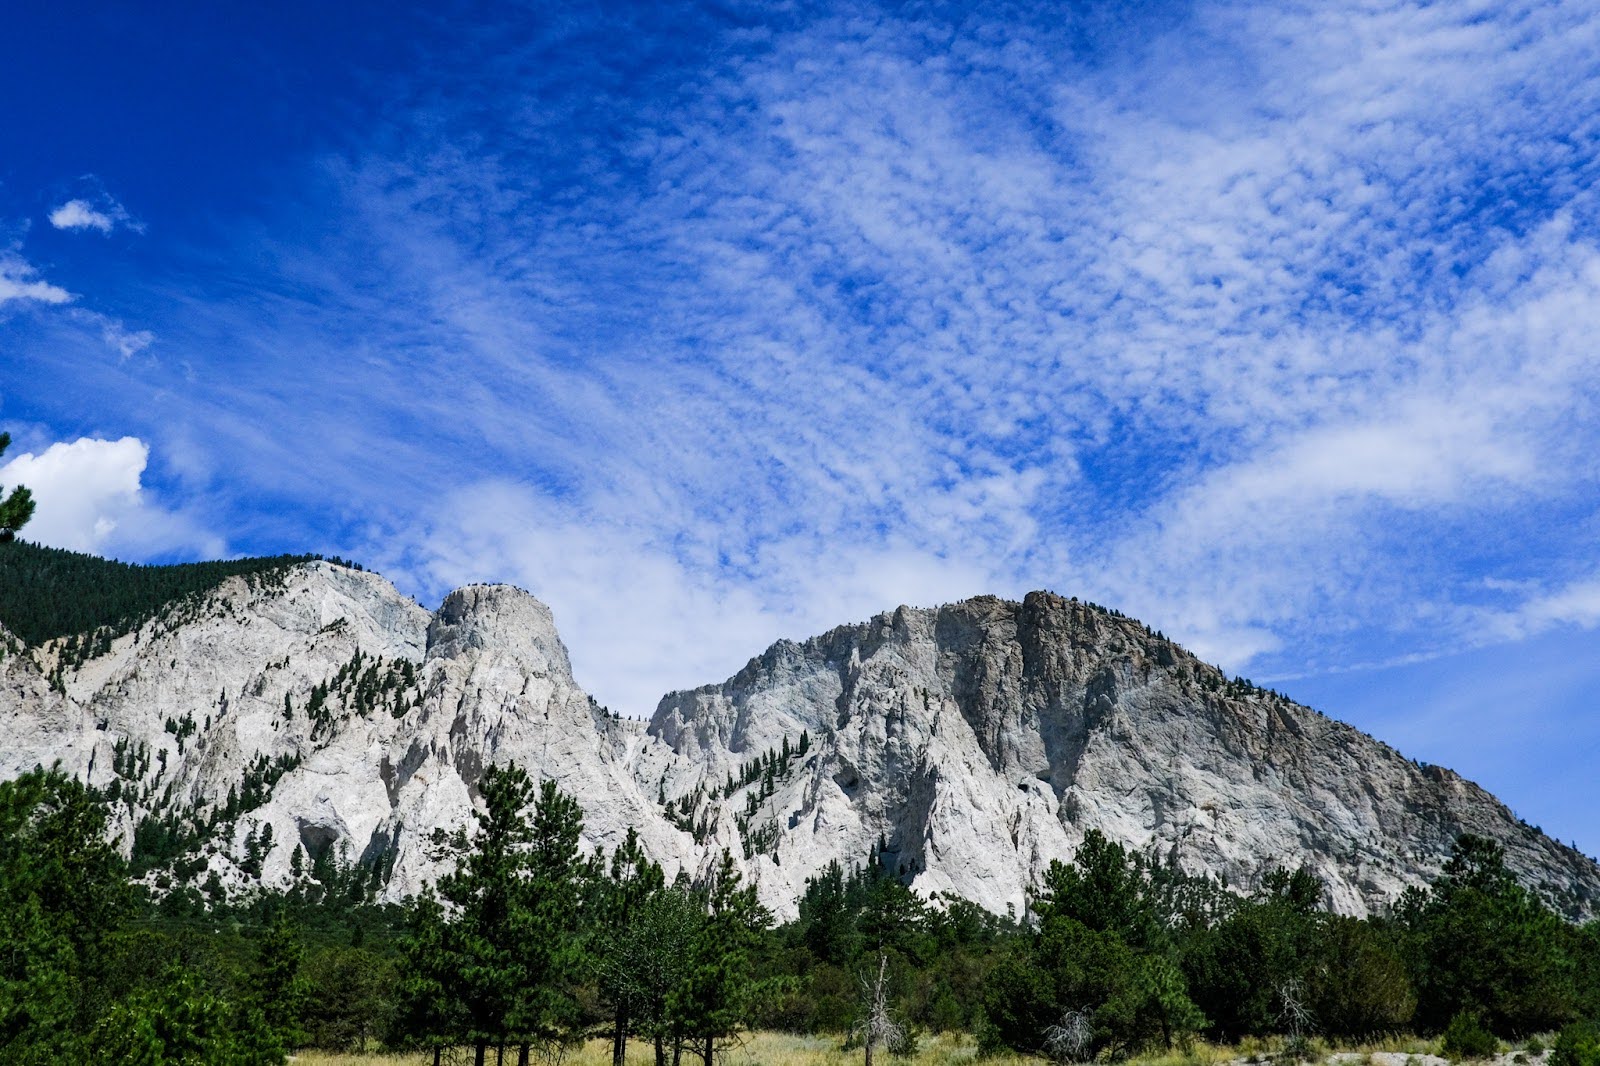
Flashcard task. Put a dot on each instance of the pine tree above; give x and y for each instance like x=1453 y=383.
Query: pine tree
x=715 y=998
x=15 y=509
x=63 y=890
x=546 y=914
x=277 y=986
x=502 y=967
x=429 y=1013
x=485 y=970
x=623 y=955
x=182 y=1021
x=1483 y=942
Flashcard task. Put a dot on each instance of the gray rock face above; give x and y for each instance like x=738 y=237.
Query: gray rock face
x=976 y=742
x=981 y=740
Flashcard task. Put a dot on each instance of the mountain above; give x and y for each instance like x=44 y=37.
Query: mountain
x=301 y=714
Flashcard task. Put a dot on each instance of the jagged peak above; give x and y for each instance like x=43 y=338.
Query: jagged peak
x=498 y=618
x=980 y=738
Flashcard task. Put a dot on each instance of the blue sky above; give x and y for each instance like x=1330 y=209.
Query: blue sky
x=1273 y=325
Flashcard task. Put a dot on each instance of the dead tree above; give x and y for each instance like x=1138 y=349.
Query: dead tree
x=877 y=1025
x=1295 y=1016
x=1068 y=1040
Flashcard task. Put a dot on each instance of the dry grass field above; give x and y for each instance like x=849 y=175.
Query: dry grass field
x=956 y=1049
x=757 y=1049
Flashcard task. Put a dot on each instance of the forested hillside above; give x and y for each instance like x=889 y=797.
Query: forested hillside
x=48 y=592
x=534 y=943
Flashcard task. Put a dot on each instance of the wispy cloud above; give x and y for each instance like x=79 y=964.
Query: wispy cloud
x=115 y=333
x=20 y=282
x=99 y=212
x=639 y=619
x=1235 y=323
x=1269 y=323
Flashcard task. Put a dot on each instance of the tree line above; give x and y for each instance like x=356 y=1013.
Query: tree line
x=531 y=943
x=47 y=593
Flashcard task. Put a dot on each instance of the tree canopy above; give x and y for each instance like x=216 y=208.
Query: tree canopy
x=48 y=592
x=17 y=507
x=529 y=942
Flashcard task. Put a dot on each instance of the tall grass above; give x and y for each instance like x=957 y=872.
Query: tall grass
x=754 y=1049
x=942 y=1049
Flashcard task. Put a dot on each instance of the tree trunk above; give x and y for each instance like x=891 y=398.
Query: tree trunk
x=437 y=1051
x=869 y=1047
x=500 y=1054
x=478 y=1051
x=710 y=1047
x=619 y=1039
x=661 y=1049
x=522 y=1054
x=677 y=1048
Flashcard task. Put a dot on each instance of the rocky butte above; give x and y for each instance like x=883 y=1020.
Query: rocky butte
x=972 y=743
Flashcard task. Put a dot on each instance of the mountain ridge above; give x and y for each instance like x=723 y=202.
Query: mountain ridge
x=974 y=741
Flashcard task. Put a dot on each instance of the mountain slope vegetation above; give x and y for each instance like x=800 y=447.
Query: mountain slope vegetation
x=47 y=593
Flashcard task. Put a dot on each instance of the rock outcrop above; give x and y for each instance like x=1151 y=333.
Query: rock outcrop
x=980 y=740
x=972 y=743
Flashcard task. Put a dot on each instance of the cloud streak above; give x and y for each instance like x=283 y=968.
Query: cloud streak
x=20 y=283
x=1270 y=324
x=1215 y=340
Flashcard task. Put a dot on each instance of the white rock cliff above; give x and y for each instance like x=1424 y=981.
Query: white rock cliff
x=973 y=742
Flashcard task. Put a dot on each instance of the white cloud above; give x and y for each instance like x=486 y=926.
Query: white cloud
x=89 y=497
x=20 y=281
x=1575 y=604
x=103 y=214
x=1218 y=341
x=77 y=214
x=1254 y=328
x=116 y=334
x=637 y=617
x=125 y=341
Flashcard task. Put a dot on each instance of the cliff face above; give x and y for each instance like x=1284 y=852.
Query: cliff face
x=335 y=711
x=980 y=741
x=976 y=742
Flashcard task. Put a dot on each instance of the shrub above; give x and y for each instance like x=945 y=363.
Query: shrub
x=1576 y=1045
x=1466 y=1038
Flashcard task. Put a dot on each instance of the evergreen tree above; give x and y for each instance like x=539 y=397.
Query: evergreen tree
x=827 y=922
x=63 y=891
x=354 y=997
x=1481 y=942
x=1238 y=967
x=626 y=945
x=1104 y=888
x=716 y=998
x=545 y=925
x=277 y=986
x=501 y=967
x=891 y=917
x=49 y=592
x=485 y=974
x=1359 y=986
x=181 y=1023
x=429 y=1013
x=16 y=508
x=1097 y=957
